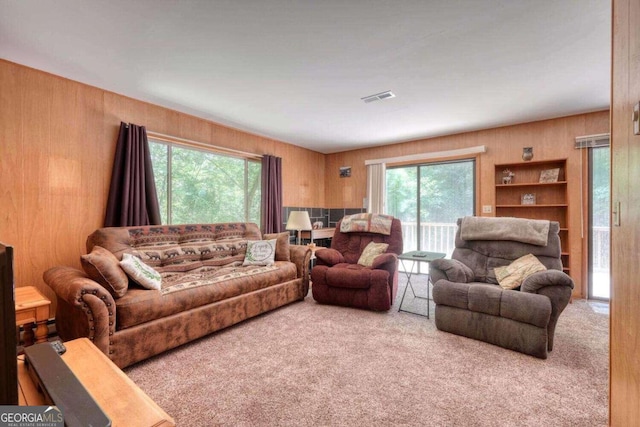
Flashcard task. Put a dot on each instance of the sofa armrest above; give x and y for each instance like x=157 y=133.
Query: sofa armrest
x=451 y=270
x=328 y=256
x=300 y=255
x=84 y=309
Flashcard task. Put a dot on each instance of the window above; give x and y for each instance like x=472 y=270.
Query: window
x=199 y=186
x=428 y=199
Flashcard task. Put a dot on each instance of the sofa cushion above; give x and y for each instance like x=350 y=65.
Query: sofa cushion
x=140 y=273
x=371 y=251
x=184 y=291
x=512 y=275
x=282 y=245
x=103 y=267
x=260 y=252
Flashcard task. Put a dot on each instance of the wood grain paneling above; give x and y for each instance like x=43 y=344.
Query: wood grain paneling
x=57 y=142
x=625 y=238
x=550 y=139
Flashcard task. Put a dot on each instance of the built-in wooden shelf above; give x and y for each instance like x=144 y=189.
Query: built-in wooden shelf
x=552 y=201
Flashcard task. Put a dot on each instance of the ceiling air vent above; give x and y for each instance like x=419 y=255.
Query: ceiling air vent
x=378 y=97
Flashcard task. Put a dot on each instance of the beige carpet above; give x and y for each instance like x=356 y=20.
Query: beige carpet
x=307 y=364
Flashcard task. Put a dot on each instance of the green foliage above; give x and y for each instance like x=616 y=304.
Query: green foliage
x=601 y=183
x=446 y=192
x=206 y=187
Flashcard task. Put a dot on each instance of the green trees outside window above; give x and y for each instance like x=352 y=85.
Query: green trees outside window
x=198 y=186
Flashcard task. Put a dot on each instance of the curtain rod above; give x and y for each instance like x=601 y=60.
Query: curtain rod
x=434 y=155
x=190 y=142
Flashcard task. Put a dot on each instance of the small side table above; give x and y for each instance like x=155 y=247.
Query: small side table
x=32 y=307
x=417 y=257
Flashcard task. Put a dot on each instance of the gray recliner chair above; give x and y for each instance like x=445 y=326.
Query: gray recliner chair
x=470 y=302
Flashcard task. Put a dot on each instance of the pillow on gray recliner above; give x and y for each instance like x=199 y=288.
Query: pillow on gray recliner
x=512 y=275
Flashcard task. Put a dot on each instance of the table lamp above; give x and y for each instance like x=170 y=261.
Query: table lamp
x=298 y=220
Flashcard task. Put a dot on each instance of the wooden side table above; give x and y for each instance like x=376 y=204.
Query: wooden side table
x=317 y=233
x=32 y=307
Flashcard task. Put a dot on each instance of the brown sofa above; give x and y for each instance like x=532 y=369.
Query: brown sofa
x=204 y=287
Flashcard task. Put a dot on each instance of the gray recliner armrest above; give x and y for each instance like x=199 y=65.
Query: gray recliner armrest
x=555 y=285
x=451 y=270
x=539 y=280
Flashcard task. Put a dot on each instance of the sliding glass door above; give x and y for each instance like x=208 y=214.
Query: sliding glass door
x=428 y=199
x=599 y=230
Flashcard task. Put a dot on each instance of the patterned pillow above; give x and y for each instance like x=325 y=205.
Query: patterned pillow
x=512 y=275
x=260 y=252
x=103 y=267
x=140 y=272
x=370 y=252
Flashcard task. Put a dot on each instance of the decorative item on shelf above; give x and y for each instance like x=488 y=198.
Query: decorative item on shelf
x=318 y=225
x=527 y=153
x=528 y=199
x=549 y=175
x=298 y=221
x=508 y=176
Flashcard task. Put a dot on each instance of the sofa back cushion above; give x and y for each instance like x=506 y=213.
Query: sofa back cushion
x=178 y=247
x=483 y=256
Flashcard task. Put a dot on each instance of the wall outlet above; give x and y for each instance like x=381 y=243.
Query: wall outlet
x=486 y=208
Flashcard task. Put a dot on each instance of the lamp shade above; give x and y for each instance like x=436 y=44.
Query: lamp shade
x=299 y=220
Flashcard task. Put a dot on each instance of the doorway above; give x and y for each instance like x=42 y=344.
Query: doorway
x=428 y=199
x=599 y=222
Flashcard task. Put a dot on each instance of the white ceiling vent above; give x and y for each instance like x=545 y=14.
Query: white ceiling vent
x=378 y=97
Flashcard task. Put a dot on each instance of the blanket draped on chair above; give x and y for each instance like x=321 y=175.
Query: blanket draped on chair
x=367 y=223
x=532 y=231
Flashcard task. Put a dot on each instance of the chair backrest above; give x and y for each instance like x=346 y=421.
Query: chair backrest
x=483 y=256
x=351 y=245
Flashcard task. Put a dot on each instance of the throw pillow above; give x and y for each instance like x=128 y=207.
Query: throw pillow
x=260 y=252
x=103 y=267
x=512 y=275
x=282 y=245
x=370 y=252
x=140 y=272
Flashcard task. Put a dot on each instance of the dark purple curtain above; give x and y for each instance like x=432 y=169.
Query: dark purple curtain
x=132 y=195
x=271 y=194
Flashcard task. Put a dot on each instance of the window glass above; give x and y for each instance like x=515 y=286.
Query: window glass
x=197 y=186
x=428 y=199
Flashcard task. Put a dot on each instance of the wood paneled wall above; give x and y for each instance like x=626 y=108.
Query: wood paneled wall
x=625 y=238
x=550 y=139
x=57 y=142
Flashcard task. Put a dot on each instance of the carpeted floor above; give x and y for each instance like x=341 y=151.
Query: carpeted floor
x=312 y=365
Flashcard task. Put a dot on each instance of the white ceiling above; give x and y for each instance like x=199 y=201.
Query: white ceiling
x=296 y=70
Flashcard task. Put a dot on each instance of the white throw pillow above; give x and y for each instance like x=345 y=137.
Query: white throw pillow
x=140 y=272
x=371 y=251
x=260 y=252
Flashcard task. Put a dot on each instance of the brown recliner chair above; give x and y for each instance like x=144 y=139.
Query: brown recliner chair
x=338 y=279
x=470 y=302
